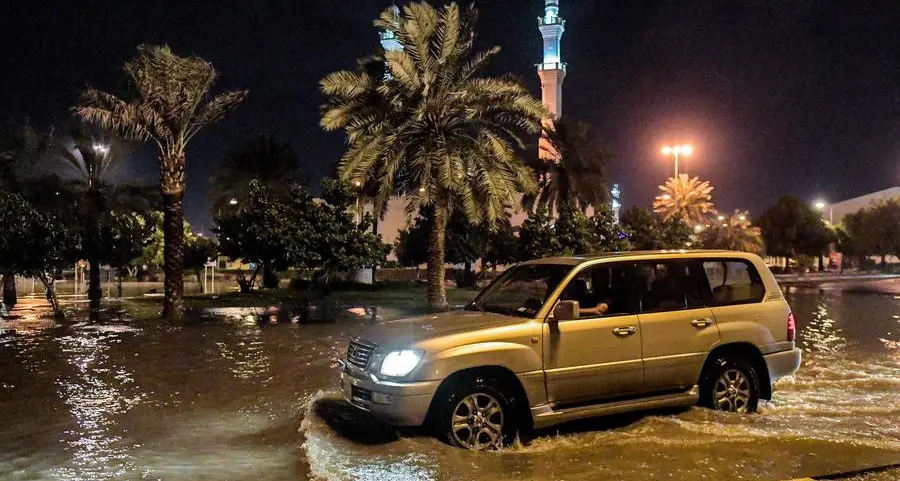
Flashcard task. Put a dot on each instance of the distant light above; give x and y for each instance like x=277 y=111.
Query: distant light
x=666 y=197
x=698 y=228
x=724 y=225
x=233 y=202
x=687 y=150
x=721 y=217
x=742 y=218
x=680 y=150
x=200 y=234
x=820 y=205
x=667 y=150
x=357 y=183
x=421 y=190
x=101 y=148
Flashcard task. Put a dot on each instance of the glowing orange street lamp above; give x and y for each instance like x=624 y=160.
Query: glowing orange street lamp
x=678 y=151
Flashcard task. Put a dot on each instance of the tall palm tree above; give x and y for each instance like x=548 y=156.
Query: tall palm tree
x=687 y=197
x=734 y=232
x=570 y=169
x=91 y=154
x=172 y=104
x=433 y=129
x=265 y=159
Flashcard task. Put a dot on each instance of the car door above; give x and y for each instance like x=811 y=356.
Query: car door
x=678 y=328
x=598 y=355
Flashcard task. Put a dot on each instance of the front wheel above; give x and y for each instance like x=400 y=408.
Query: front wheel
x=479 y=415
x=731 y=384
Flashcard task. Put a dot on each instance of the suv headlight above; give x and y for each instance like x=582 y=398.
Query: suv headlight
x=400 y=363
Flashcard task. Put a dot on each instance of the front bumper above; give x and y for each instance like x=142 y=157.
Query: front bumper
x=399 y=404
x=784 y=363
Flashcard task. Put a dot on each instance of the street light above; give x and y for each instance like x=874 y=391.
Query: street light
x=101 y=149
x=820 y=206
x=678 y=151
x=233 y=202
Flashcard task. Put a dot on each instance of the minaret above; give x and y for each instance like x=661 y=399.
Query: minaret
x=553 y=70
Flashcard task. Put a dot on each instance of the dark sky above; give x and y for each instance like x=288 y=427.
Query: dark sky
x=778 y=96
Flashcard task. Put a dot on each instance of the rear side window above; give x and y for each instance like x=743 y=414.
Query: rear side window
x=670 y=285
x=733 y=282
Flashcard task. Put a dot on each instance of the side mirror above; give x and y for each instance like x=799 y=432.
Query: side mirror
x=566 y=311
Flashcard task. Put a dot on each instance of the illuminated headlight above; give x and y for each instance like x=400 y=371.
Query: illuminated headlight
x=400 y=363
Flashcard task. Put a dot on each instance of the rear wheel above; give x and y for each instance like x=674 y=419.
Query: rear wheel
x=731 y=384
x=479 y=414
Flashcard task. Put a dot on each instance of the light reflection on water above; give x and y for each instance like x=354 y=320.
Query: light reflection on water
x=99 y=401
x=93 y=392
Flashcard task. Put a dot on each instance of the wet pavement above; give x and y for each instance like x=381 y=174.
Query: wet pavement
x=228 y=400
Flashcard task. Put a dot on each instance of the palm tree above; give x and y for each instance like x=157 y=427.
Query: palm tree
x=734 y=232
x=172 y=105
x=265 y=159
x=91 y=154
x=433 y=130
x=687 y=197
x=570 y=170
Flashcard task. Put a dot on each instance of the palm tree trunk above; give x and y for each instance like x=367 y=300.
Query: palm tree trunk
x=9 y=290
x=95 y=290
x=437 y=289
x=173 y=254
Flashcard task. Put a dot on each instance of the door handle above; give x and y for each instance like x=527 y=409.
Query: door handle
x=624 y=331
x=701 y=323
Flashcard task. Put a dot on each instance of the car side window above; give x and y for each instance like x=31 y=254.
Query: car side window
x=603 y=290
x=733 y=282
x=670 y=285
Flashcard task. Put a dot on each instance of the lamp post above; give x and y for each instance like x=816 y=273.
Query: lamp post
x=820 y=206
x=678 y=151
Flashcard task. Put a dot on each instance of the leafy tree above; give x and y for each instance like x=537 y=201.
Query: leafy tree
x=647 y=231
x=735 y=233
x=264 y=158
x=34 y=244
x=685 y=197
x=301 y=232
x=264 y=230
x=172 y=104
x=570 y=169
x=610 y=236
x=434 y=130
x=125 y=236
x=411 y=246
x=538 y=238
x=791 y=227
x=20 y=147
x=574 y=232
x=502 y=246
x=342 y=243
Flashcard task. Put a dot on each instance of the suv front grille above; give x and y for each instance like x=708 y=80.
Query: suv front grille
x=359 y=353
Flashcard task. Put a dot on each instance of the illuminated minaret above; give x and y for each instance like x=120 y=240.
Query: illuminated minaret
x=553 y=70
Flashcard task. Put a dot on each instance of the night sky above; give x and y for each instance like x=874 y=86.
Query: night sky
x=778 y=96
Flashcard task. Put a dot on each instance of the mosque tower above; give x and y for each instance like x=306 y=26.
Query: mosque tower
x=552 y=70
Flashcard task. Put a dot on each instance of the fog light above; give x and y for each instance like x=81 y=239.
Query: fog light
x=381 y=398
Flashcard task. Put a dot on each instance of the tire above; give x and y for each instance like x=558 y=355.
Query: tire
x=478 y=413
x=730 y=384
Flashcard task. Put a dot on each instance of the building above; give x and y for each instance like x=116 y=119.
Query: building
x=835 y=213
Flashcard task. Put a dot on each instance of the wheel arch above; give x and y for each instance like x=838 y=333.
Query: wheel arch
x=501 y=373
x=749 y=352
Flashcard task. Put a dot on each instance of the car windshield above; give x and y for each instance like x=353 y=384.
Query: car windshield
x=522 y=290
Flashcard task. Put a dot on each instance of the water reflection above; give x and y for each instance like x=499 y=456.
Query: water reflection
x=247 y=358
x=93 y=392
x=821 y=334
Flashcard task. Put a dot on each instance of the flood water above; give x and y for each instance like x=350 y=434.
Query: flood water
x=233 y=401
